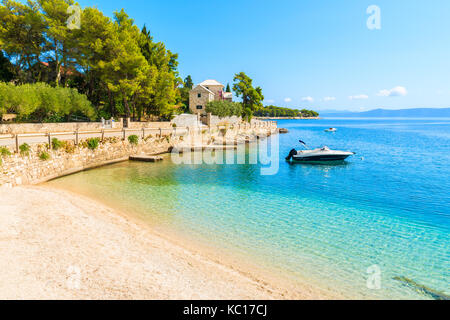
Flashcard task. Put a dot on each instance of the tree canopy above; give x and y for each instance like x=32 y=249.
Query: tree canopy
x=6 y=69
x=41 y=102
x=224 y=108
x=251 y=97
x=120 y=69
x=274 y=111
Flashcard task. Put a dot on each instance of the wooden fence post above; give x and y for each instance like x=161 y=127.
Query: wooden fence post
x=76 y=138
x=143 y=133
x=17 y=143
x=103 y=135
x=49 y=141
x=124 y=134
x=160 y=132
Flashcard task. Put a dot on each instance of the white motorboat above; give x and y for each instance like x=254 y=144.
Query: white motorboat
x=331 y=130
x=318 y=155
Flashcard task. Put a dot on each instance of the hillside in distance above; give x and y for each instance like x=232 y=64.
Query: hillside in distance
x=402 y=113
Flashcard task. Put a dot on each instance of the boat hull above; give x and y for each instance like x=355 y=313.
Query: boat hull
x=321 y=158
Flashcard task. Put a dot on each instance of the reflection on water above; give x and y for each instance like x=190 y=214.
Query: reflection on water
x=324 y=168
x=323 y=165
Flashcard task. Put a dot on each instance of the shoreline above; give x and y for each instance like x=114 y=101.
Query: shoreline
x=49 y=233
x=288 y=118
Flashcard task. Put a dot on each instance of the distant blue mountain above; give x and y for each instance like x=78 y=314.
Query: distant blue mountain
x=403 y=113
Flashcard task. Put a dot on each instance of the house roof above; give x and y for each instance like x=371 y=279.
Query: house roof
x=203 y=87
x=211 y=83
x=69 y=71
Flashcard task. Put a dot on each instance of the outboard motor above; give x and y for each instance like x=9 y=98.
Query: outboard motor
x=291 y=154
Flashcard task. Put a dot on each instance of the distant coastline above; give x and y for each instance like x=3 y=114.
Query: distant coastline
x=385 y=113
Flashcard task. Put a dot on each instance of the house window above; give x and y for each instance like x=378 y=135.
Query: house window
x=199 y=95
x=199 y=107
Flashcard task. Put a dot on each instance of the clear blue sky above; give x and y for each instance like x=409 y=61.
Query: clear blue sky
x=301 y=52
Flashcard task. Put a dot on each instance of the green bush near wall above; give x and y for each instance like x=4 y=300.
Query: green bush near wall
x=133 y=139
x=43 y=103
x=92 y=143
x=25 y=149
x=44 y=155
x=224 y=108
x=56 y=144
x=4 y=151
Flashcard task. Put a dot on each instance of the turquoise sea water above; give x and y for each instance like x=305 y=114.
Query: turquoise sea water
x=388 y=206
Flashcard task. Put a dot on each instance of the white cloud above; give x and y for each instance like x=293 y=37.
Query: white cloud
x=329 y=98
x=359 y=97
x=394 y=92
x=287 y=100
x=308 y=99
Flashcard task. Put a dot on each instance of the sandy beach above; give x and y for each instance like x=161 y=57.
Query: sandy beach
x=58 y=245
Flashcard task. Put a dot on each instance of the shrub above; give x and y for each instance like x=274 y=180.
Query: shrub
x=69 y=147
x=112 y=139
x=134 y=139
x=174 y=125
x=4 y=151
x=25 y=149
x=56 y=144
x=224 y=108
x=40 y=101
x=92 y=143
x=44 y=155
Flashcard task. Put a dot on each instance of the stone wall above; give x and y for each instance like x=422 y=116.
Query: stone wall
x=186 y=120
x=217 y=91
x=17 y=128
x=18 y=169
x=20 y=128
x=216 y=121
x=151 y=125
x=195 y=101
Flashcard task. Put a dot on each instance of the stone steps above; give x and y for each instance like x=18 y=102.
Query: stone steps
x=146 y=158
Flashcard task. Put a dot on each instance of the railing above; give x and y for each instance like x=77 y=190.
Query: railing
x=79 y=119
x=36 y=138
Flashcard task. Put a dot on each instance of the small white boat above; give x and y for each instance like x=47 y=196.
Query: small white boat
x=331 y=130
x=318 y=155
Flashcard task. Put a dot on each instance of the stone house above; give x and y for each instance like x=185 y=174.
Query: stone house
x=207 y=91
